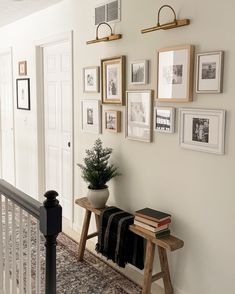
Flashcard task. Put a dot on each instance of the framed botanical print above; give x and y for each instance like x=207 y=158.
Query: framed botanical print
x=91 y=116
x=164 y=119
x=112 y=121
x=139 y=115
x=139 y=71
x=91 y=82
x=209 y=72
x=22 y=68
x=202 y=130
x=23 y=94
x=113 y=80
x=175 y=74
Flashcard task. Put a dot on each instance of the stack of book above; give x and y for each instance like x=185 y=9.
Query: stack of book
x=154 y=221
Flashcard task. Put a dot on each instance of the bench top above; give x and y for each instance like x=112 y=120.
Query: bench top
x=168 y=242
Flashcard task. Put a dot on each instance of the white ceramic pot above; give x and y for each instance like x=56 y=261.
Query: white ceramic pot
x=98 y=198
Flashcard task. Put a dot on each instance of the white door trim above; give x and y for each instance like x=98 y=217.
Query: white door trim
x=39 y=45
x=4 y=51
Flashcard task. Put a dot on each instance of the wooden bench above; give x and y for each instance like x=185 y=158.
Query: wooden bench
x=170 y=243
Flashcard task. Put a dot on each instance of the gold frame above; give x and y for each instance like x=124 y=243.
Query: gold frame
x=24 y=65
x=189 y=95
x=118 y=121
x=114 y=60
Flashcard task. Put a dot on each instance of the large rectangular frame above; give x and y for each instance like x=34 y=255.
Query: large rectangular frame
x=187 y=85
x=191 y=119
x=120 y=60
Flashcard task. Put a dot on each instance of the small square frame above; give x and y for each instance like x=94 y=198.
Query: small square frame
x=23 y=94
x=202 y=129
x=142 y=76
x=115 y=126
x=23 y=68
x=164 y=124
x=94 y=73
x=214 y=83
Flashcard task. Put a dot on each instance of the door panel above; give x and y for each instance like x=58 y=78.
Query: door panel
x=7 y=119
x=58 y=123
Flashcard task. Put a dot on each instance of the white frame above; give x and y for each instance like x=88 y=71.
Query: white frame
x=97 y=79
x=146 y=71
x=148 y=126
x=90 y=128
x=217 y=115
x=219 y=72
x=172 y=119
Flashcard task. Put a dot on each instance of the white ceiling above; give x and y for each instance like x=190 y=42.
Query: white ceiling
x=12 y=10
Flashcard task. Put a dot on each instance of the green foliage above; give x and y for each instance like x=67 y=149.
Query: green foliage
x=96 y=170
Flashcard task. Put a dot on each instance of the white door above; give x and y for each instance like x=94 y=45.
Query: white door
x=7 y=119
x=58 y=123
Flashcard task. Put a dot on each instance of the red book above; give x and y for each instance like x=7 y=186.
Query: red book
x=153 y=223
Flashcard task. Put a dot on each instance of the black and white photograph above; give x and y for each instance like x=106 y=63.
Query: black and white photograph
x=112 y=120
x=200 y=130
x=173 y=74
x=209 y=72
x=91 y=79
x=164 y=119
x=137 y=111
x=139 y=115
x=23 y=94
x=113 y=80
x=139 y=72
x=91 y=116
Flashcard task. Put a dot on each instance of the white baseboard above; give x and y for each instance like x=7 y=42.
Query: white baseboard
x=130 y=271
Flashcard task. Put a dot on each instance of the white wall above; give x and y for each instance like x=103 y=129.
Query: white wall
x=196 y=188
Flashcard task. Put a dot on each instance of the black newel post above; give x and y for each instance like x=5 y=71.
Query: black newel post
x=50 y=226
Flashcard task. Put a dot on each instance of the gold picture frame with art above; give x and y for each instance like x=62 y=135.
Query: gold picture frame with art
x=22 y=68
x=112 y=121
x=113 y=80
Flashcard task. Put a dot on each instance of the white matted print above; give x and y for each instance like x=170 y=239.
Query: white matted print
x=164 y=119
x=175 y=72
x=209 y=72
x=139 y=71
x=202 y=130
x=113 y=80
x=112 y=121
x=91 y=79
x=139 y=115
x=91 y=116
x=23 y=94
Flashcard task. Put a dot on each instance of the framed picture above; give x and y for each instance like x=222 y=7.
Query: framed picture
x=112 y=122
x=164 y=119
x=22 y=68
x=139 y=72
x=91 y=82
x=113 y=80
x=91 y=116
x=23 y=93
x=202 y=130
x=209 y=72
x=175 y=74
x=139 y=115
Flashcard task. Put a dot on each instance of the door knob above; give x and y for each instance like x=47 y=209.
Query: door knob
x=69 y=144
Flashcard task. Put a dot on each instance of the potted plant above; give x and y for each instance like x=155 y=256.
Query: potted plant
x=97 y=172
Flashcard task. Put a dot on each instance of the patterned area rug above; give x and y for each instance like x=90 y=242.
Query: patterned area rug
x=91 y=276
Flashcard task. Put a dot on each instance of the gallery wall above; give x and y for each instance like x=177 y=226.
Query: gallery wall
x=196 y=188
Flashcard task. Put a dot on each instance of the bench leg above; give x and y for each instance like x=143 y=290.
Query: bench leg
x=83 y=239
x=97 y=220
x=148 y=267
x=165 y=269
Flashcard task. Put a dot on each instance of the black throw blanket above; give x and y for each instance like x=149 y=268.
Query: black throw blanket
x=116 y=242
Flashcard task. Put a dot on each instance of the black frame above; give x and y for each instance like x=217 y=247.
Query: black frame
x=17 y=94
